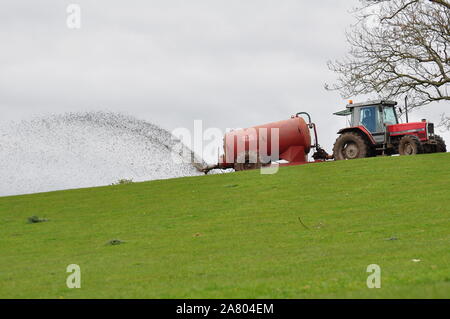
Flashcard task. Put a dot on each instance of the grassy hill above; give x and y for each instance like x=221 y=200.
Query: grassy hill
x=239 y=235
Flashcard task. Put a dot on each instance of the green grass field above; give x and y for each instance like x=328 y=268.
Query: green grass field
x=239 y=235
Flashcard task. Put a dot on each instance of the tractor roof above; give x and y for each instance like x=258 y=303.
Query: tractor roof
x=348 y=110
x=344 y=112
x=373 y=102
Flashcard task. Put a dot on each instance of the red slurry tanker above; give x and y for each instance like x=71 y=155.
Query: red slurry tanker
x=374 y=130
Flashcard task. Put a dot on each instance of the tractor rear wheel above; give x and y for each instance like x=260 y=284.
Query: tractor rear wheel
x=351 y=145
x=410 y=145
x=440 y=147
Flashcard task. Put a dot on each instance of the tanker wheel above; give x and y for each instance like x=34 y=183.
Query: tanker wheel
x=440 y=147
x=410 y=145
x=247 y=160
x=350 y=145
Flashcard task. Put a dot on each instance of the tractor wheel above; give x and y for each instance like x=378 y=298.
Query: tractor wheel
x=440 y=147
x=351 y=145
x=410 y=145
x=247 y=160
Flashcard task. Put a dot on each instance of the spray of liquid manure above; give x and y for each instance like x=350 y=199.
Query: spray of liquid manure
x=77 y=150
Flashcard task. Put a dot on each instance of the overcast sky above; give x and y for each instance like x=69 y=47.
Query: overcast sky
x=230 y=63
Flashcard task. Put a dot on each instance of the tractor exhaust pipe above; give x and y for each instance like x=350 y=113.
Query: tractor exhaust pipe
x=406 y=109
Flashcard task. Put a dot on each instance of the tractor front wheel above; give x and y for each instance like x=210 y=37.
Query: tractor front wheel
x=410 y=145
x=350 y=145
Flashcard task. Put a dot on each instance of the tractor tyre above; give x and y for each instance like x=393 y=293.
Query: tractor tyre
x=410 y=145
x=440 y=147
x=351 y=145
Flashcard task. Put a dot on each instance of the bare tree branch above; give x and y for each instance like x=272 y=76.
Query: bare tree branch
x=445 y=122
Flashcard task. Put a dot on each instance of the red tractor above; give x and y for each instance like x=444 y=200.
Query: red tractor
x=375 y=130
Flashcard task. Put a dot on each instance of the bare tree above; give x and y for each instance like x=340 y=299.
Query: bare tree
x=445 y=122
x=404 y=51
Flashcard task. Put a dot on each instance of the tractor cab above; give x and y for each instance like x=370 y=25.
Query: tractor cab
x=374 y=116
x=375 y=130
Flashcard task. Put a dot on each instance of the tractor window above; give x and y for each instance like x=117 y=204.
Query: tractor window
x=389 y=116
x=368 y=118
